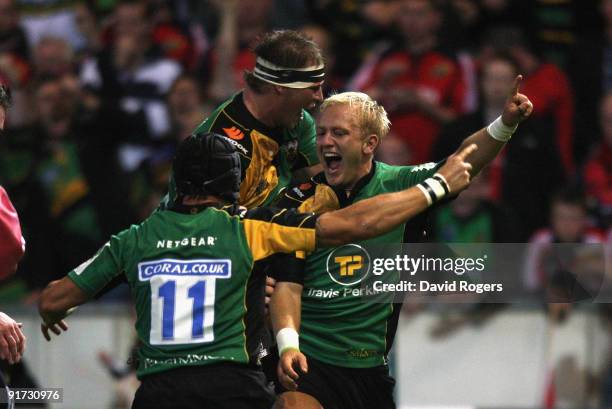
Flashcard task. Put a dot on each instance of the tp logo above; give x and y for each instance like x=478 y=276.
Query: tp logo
x=348 y=265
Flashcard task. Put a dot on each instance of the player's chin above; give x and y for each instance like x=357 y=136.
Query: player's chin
x=333 y=176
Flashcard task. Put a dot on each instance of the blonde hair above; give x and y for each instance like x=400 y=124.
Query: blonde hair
x=371 y=117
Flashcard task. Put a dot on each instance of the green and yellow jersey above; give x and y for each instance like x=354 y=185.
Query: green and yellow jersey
x=191 y=275
x=269 y=156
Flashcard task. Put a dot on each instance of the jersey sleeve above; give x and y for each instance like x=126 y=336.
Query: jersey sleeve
x=312 y=196
x=409 y=176
x=107 y=264
x=287 y=267
x=307 y=144
x=269 y=231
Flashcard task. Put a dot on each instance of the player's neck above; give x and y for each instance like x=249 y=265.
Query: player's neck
x=261 y=106
x=363 y=172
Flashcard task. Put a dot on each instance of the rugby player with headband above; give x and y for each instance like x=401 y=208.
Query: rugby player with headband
x=268 y=121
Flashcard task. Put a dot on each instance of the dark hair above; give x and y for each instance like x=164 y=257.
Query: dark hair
x=187 y=77
x=5 y=96
x=571 y=195
x=504 y=37
x=285 y=48
x=505 y=57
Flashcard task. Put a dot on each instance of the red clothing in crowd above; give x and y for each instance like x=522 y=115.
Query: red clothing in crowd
x=598 y=176
x=550 y=91
x=12 y=244
x=435 y=77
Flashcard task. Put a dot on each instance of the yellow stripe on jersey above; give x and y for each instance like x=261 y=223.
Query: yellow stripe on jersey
x=265 y=239
x=261 y=176
x=323 y=200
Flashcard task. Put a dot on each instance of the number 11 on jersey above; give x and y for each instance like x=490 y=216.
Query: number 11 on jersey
x=183 y=298
x=182 y=310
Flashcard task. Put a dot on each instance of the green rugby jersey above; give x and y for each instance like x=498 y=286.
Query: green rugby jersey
x=338 y=326
x=268 y=155
x=190 y=276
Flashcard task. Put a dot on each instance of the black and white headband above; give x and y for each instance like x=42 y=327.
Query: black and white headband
x=289 y=77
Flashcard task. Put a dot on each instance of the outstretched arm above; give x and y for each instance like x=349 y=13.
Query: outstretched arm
x=378 y=215
x=56 y=302
x=518 y=108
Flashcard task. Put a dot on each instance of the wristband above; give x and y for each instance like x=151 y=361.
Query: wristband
x=442 y=181
x=434 y=188
x=287 y=338
x=500 y=131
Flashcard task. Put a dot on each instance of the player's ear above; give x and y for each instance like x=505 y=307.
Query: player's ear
x=370 y=143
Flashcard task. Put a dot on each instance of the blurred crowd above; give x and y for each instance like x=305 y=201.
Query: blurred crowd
x=103 y=90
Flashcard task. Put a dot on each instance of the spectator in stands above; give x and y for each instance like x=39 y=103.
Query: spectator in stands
x=598 y=170
x=394 y=151
x=545 y=266
x=420 y=86
x=591 y=78
x=186 y=107
x=526 y=173
x=552 y=93
x=15 y=67
x=74 y=180
x=358 y=24
x=14 y=49
x=231 y=55
x=134 y=75
x=474 y=218
x=53 y=56
x=171 y=37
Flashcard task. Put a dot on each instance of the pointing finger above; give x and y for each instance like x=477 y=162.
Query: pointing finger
x=517 y=84
x=467 y=151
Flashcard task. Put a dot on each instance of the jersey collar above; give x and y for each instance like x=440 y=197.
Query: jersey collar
x=344 y=199
x=239 y=111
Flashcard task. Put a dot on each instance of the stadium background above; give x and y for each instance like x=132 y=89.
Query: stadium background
x=103 y=91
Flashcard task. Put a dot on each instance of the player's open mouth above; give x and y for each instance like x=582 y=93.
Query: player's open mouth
x=333 y=161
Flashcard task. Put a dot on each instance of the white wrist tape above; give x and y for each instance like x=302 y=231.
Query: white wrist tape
x=500 y=131
x=287 y=338
x=434 y=188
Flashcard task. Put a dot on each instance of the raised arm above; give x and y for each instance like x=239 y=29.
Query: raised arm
x=377 y=215
x=492 y=139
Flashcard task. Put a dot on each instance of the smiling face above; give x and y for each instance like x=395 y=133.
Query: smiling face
x=345 y=153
